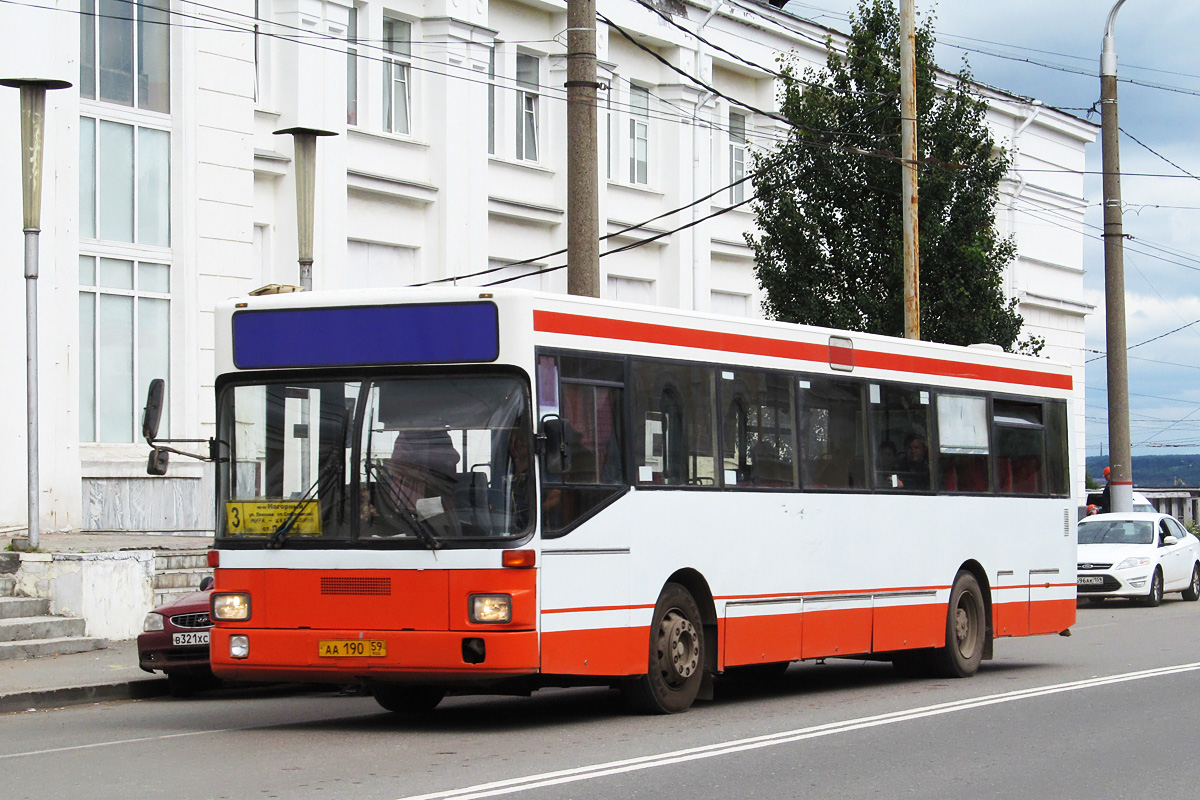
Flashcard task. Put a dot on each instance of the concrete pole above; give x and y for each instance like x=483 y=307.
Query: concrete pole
x=33 y=126
x=304 y=156
x=583 y=181
x=1120 y=454
x=908 y=155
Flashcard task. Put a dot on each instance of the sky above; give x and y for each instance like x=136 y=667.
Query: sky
x=1037 y=48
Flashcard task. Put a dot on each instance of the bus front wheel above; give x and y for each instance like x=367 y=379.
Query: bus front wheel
x=966 y=627
x=676 y=663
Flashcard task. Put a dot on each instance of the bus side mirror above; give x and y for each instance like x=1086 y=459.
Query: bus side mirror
x=556 y=459
x=206 y=583
x=157 y=463
x=152 y=414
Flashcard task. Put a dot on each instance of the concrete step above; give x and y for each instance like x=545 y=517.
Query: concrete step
x=8 y=584
x=181 y=559
x=56 y=646
x=186 y=580
x=12 y=607
x=23 y=628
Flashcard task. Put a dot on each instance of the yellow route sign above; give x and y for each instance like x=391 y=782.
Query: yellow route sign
x=264 y=517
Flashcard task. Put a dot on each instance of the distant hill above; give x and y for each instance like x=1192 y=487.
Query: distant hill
x=1155 y=471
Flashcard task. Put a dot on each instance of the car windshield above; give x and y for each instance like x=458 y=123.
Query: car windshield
x=1116 y=532
x=422 y=461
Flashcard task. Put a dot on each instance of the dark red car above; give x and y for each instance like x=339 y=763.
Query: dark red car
x=175 y=642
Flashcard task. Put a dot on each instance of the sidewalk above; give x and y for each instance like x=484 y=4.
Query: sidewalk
x=97 y=675
x=30 y=684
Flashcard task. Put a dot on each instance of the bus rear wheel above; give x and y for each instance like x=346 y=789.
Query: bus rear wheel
x=966 y=627
x=677 y=650
x=402 y=699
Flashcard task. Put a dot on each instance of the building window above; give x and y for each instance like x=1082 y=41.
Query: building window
x=737 y=157
x=124 y=211
x=397 y=90
x=492 y=100
x=610 y=133
x=124 y=183
x=124 y=338
x=125 y=53
x=639 y=135
x=528 y=83
x=352 y=68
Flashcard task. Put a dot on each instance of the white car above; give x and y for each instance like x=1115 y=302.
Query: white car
x=1137 y=555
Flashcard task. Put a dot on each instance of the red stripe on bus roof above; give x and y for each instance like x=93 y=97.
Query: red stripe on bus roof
x=651 y=333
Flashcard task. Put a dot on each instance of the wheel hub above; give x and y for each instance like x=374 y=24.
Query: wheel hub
x=679 y=647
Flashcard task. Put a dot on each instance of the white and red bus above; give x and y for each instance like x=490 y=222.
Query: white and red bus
x=456 y=490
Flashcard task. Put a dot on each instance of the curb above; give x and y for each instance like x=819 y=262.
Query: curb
x=42 y=699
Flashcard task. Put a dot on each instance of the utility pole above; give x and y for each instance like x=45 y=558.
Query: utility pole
x=1120 y=454
x=908 y=163
x=583 y=182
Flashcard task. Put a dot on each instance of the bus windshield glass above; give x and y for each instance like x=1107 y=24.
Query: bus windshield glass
x=431 y=461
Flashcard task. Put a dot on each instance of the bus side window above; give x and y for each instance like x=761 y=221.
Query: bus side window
x=1020 y=441
x=832 y=443
x=962 y=443
x=756 y=444
x=587 y=395
x=674 y=438
x=901 y=415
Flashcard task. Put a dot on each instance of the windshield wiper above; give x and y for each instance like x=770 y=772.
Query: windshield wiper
x=285 y=528
x=394 y=501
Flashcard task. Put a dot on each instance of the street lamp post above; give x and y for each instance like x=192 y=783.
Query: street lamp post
x=1120 y=455
x=305 y=157
x=33 y=124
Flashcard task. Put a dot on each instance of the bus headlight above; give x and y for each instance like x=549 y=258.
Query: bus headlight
x=231 y=606
x=491 y=608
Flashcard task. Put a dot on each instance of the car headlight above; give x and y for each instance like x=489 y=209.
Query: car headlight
x=491 y=608
x=153 y=622
x=231 y=606
x=1133 y=561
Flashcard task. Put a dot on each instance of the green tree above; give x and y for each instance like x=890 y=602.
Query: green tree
x=828 y=197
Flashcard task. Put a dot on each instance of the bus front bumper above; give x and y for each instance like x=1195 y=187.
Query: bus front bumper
x=345 y=656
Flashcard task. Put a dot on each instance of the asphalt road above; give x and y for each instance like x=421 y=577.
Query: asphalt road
x=1108 y=712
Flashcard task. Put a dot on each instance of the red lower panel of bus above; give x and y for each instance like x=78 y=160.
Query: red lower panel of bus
x=1051 y=616
x=606 y=651
x=906 y=627
x=1033 y=618
x=294 y=655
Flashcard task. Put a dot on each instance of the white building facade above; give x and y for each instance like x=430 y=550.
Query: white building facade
x=166 y=191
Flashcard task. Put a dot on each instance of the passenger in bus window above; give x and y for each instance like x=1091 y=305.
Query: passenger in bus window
x=916 y=463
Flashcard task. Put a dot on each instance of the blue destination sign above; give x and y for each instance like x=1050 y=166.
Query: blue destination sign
x=359 y=336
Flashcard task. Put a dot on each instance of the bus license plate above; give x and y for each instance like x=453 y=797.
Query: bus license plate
x=352 y=648
x=200 y=637
x=1089 y=580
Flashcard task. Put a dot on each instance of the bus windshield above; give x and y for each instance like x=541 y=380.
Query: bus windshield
x=429 y=461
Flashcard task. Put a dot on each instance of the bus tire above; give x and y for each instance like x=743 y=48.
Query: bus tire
x=676 y=663
x=966 y=628
x=402 y=699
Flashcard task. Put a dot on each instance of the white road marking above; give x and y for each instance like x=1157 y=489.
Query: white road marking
x=546 y=779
